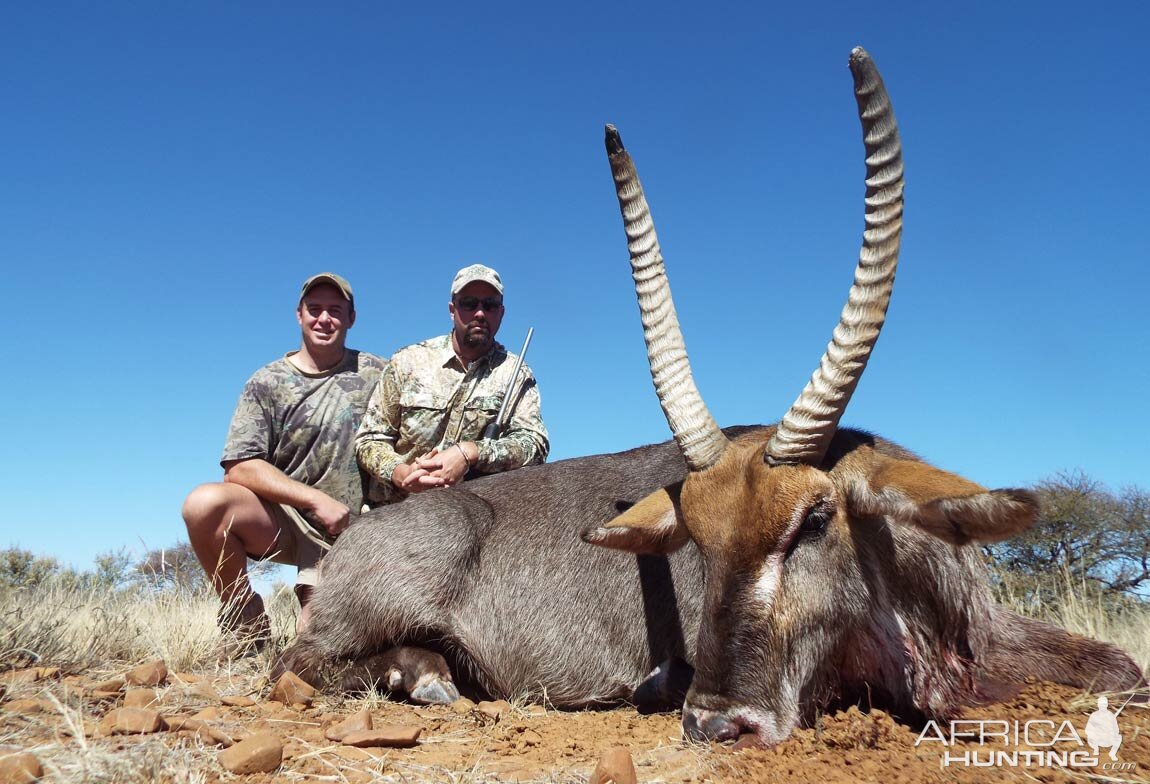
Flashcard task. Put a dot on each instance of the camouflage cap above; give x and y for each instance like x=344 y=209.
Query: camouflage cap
x=473 y=273
x=331 y=279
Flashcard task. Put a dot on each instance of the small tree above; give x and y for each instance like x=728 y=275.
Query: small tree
x=114 y=569
x=177 y=568
x=1086 y=534
x=23 y=569
x=172 y=568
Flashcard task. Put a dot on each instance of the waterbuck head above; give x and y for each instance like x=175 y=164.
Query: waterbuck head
x=833 y=559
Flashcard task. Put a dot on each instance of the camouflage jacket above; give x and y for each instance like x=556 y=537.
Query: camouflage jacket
x=303 y=423
x=427 y=398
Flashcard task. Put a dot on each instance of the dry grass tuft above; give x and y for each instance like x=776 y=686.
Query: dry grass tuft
x=150 y=761
x=106 y=629
x=101 y=628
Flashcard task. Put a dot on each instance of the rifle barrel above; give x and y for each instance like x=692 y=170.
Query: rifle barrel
x=495 y=428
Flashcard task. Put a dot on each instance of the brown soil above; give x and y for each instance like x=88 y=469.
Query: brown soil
x=525 y=743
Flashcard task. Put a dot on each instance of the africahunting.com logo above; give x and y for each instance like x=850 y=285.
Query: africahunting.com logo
x=1037 y=743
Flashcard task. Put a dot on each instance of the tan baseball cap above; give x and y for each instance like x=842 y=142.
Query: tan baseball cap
x=476 y=272
x=331 y=279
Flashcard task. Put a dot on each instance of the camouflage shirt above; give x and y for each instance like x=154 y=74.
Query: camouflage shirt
x=427 y=398
x=304 y=423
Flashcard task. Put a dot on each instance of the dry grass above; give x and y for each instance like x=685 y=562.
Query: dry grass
x=97 y=629
x=1081 y=607
x=150 y=761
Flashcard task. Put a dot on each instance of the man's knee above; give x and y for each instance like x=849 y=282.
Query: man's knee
x=207 y=505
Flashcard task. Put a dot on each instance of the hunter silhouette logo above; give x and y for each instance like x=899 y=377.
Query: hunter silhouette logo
x=1040 y=743
x=1102 y=729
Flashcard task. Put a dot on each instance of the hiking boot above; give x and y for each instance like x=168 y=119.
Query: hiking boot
x=244 y=629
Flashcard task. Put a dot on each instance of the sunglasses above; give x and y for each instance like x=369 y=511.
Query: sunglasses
x=473 y=303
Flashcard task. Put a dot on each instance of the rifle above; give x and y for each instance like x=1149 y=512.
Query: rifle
x=496 y=428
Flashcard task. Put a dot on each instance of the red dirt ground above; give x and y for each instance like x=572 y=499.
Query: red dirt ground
x=529 y=743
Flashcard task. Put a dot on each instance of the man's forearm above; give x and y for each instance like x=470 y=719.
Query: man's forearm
x=375 y=441
x=514 y=450
x=523 y=443
x=272 y=484
x=377 y=458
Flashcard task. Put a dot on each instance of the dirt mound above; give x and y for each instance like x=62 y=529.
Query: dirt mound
x=94 y=727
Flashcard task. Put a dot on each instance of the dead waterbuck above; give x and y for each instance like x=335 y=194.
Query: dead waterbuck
x=789 y=565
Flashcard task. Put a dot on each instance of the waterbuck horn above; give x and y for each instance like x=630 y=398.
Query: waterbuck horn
x=808 y=427
x=695 y=431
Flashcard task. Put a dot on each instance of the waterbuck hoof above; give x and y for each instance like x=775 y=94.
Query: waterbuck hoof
x=435 y=691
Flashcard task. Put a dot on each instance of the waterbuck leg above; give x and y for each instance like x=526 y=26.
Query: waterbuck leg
x=665 y=688
x=1022 y=647
x=419 y=673
x=306 y=658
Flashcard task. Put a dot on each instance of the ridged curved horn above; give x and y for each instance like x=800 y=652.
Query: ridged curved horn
x=695 y=431
x=808 y=427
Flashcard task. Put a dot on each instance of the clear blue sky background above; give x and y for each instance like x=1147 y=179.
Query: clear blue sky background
x=173 y=171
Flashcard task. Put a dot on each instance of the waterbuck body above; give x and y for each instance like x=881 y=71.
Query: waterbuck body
x=496 y=575
x=785 y=566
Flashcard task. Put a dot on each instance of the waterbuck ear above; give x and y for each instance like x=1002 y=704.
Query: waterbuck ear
x=954 y=509
x=654 y=526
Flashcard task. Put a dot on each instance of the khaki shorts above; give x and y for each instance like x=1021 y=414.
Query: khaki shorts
x=297 y=544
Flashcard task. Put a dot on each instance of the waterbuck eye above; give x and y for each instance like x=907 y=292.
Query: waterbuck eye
x=816 y=520
x=813 y=527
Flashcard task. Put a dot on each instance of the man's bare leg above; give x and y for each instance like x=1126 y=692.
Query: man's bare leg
x=226 y=522
x=303 y=593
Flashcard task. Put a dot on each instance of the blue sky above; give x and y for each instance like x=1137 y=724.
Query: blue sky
x=173 y=171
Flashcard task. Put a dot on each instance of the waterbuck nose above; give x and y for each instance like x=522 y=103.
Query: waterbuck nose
x=711 y=726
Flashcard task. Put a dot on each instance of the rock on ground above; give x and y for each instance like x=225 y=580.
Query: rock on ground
x=260 y=753
x=131 y=721
x=291 y=690
x=150 y=674
x=615 y=767
x=20 y=768
x=393 y=736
